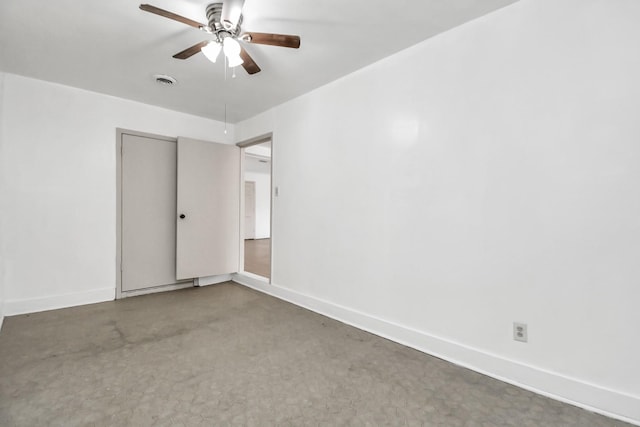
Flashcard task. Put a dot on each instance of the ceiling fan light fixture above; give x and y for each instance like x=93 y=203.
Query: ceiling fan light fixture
x=232 y=50
x=231 y=47
x=224 y=20
x=234 y=61
x=211 y=51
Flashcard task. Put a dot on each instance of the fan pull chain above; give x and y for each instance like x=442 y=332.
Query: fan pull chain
x=225 y=67
x=225 y=104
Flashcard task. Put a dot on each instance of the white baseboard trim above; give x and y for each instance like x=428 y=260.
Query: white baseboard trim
x=53 y=302
x=155 y=290
x=34 y=305
x=211 y=280
x=254 y=276
x=198 y=281
x=611 y=403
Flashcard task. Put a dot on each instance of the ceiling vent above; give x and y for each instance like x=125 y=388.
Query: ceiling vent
x=164 y=80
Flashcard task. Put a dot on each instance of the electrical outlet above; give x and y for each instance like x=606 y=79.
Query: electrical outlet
x=520 y=332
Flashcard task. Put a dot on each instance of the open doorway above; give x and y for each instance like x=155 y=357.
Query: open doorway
x=257 y=209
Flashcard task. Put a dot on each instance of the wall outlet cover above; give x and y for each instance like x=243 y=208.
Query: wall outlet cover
x=520 y=332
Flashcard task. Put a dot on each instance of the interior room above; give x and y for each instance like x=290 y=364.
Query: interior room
x=453 y=226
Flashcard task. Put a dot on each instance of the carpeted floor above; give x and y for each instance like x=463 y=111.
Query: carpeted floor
x=226 y=355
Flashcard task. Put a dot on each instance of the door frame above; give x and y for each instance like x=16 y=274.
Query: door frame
x=119 y=293
x=260 y=139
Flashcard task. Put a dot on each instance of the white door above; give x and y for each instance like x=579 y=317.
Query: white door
x=208 y=209
x=148 y=215
x=249 y=210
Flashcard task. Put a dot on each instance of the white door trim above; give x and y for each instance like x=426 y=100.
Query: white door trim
x=260 y=139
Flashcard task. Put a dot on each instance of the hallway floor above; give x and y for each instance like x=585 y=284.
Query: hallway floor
x=257 y=257
x=228 y=355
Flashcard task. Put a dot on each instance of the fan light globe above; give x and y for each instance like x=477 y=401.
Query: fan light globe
x=234 y=61
x=231 y=47
x=232 y=51
x=211 y=51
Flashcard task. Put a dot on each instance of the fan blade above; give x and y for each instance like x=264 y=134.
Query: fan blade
x=273 y=39
x=190 y=51
x=231 y=11
x=249 y=64
x=170 y=15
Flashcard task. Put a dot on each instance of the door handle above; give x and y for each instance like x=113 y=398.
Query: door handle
x=182 y=216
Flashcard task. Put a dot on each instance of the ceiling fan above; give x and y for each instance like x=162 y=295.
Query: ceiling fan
x=223 y=23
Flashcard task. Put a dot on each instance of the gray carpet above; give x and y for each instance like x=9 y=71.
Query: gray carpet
x=226 y=355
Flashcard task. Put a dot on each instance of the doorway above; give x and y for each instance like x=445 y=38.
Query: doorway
x=257 y=208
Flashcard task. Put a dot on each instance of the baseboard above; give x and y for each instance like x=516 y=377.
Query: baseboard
x=588 y=396
x=199 y=281
x=33 y=305
x=254 y=276
x=155 y=290
x=53 y=302
x=211 y=280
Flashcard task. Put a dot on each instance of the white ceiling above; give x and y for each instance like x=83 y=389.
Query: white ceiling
x=112 y=47
x=257 y=164
x=257 y=158
x=261 y=150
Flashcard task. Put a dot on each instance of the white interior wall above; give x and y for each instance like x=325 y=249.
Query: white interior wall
x=59 y=160
x=2 y=203
x=263 y=202
x=485 y=176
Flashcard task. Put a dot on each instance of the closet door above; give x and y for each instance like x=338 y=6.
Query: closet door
x=148 y=203
x=208 y=209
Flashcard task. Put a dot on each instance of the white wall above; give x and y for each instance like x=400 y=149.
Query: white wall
x=59 y=162
x=263 y=202
x=2 y=202
x=485 y=176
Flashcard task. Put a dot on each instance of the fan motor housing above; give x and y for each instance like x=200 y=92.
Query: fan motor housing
x=214 y=14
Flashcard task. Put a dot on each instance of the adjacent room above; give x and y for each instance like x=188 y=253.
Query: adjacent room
x=278 y=212
x=257 y=209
